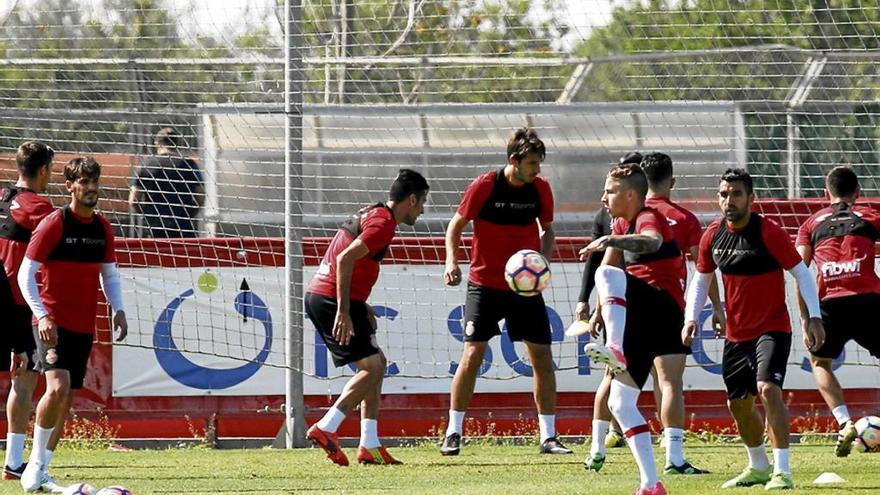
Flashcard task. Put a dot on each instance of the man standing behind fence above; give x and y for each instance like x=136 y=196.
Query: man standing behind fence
x=168 y=189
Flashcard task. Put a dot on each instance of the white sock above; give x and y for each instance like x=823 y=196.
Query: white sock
x=611 y=286
x=456 y=419
x=331 y=420
x=547 y=426
x=622 y=402
x=370 y=433
x=841 y=414
x=780 y=461
x=600 y=431
x=758 y=457
x=15 y=449
x=674 y=446
x=41 y=440
x=47 y=457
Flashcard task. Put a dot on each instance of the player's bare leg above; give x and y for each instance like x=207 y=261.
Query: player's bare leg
x=50 y=409
x=18 y=412
x=670 y=381
x=463 y=384
x=544 y=390
x=779 y=429
x=371 y=369
x=751 y=430
x=832 y=392
x=370 y=449
x=602 y=419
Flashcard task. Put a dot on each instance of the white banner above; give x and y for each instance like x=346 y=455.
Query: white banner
x=197 y=332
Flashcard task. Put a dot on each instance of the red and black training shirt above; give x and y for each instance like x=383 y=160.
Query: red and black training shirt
x=72 y=249
x=505 y=221
x=842 y=238
x=751 y=260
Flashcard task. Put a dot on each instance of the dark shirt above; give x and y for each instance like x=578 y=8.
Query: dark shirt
x=601 y=227
x=170 y=186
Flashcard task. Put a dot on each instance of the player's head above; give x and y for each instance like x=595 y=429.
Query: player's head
x=82 y=175
x=633 y=157
x=735 y=195
x=625 y=190
x=168 y=137
x=410 y=191
x=525 y=152
x=34 y=161
x=658 y=170
x=842 y=183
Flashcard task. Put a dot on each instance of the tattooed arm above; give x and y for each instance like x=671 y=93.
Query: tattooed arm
x=646 y=242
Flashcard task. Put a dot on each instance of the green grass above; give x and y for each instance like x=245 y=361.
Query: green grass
x=480 y=470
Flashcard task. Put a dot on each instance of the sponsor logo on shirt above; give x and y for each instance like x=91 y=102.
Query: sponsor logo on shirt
x=85 y=241
x=841 y=269
x=734 y=252
x=515 y=206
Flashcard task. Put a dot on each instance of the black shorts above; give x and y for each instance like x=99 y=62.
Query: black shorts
x=848 y=318
x=653 y=327
x=18 y=335
x=764 y=359
x=322 y=312
x=71 y=354
x=526 y=317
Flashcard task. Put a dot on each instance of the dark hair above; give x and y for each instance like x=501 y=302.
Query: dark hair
x=169 y=138
x=32 y=156
x=82 y=166
x=632 y=176
x=842 y=182
x=657 y=167
x=633 y=157
x=407 y=182
x=524 y=141
x=738 y=175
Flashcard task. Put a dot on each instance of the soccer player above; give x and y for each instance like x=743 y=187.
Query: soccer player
x=840 y=239
x=21 y=209
x=751 y=253
x=336 y=302
x=641 y=307
x=512 y=209
x=606 y=432
x=74 y=247
x=669 y=393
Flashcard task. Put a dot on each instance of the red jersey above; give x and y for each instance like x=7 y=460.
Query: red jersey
x=751 y=261
x=842 y=238
x=685 y=226
x=505 y=221
x=375 y=228
x=72 y=249
x=25 y=210
x=662 y=268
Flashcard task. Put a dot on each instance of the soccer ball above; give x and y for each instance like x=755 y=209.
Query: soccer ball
x=80 y=489
x=527 y=272
x=868 y=434
x=115 y=490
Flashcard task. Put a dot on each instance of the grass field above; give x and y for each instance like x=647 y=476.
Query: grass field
x=480 y=469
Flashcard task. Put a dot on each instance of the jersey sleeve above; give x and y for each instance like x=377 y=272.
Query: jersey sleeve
x=779 y=244
x=545 y=195
x=475 y=196
x=805 y=232
x=110 y=249
x=30 y=214
x=44 y=239
x=694 y=233
x=646 y=221
x=377 y=233
x=705 y=261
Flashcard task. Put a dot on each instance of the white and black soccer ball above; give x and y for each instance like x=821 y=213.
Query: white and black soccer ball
x=527 y=272
x=80 y=489
x=868 y=434
x=115 y=490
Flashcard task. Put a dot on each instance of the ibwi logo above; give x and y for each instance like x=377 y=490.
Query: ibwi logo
x=183 y=370
x=841 y=269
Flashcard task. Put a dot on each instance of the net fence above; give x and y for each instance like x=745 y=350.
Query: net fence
x=785 y=91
